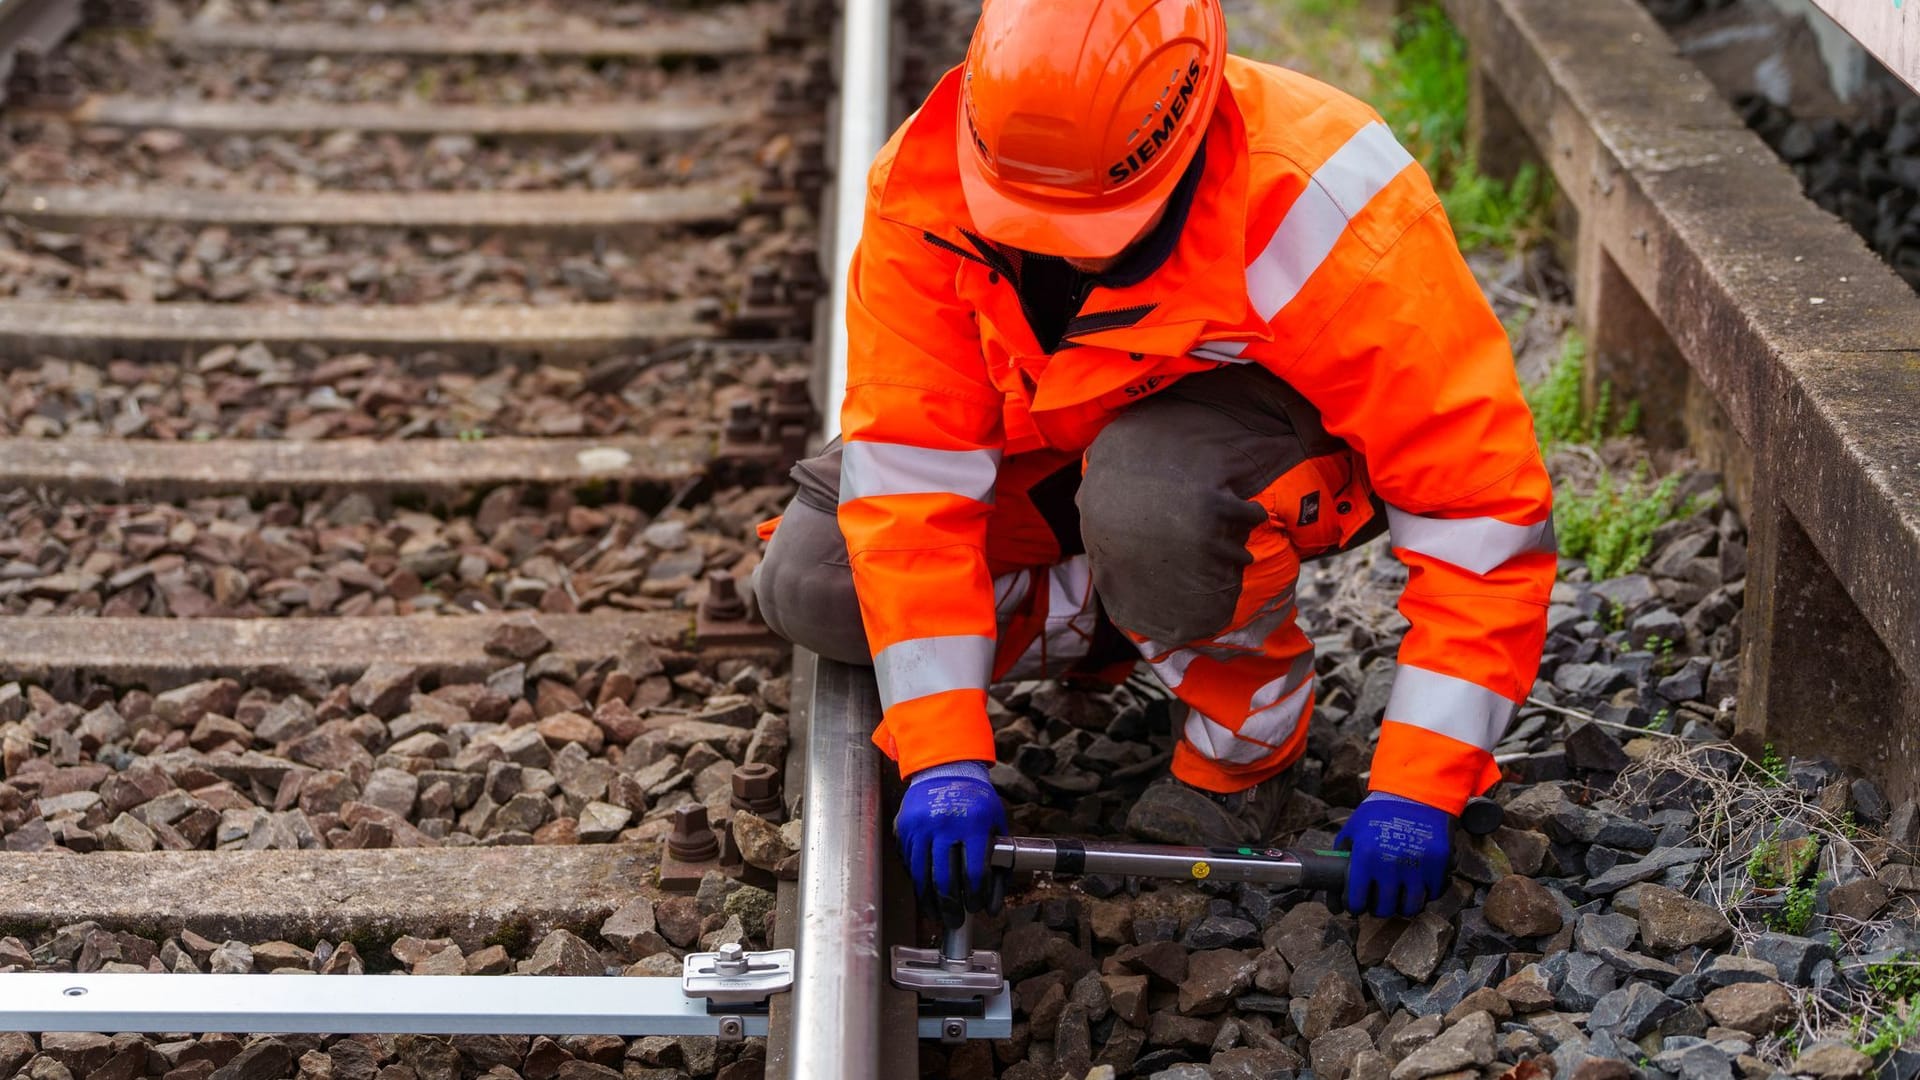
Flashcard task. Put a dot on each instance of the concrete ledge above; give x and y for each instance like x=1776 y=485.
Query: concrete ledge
x=114 y=468
x=164 y=653
x=99 y=329
x=476 y=896
x=712 y=37
x=617 y=213
x=221 y=118
x=1809 y=343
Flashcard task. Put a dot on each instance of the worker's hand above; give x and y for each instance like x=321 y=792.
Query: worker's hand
x=1400 y=849
x=948 y=819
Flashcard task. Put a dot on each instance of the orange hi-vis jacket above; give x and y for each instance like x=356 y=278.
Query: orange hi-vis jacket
x=1314 y=247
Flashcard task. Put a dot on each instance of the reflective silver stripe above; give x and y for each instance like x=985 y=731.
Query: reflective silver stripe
x=1449 y=705
x=1275 y=613
x=1173 y=668
x=1067 y=633
x=1479 y=544
x=1297 y=675
x=1180 y=657
x=1218 y=743
x=868 y=469
x=1340 y=188
x=1009 y=592
x=931 y=665
x=1225 y=352
x=1276 y=723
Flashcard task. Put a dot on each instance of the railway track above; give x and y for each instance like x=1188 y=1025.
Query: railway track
x=385 y=411
x=381 y=403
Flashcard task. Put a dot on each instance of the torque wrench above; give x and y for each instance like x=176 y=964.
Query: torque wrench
x=1284 y=867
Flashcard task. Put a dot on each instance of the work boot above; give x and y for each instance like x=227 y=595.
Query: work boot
x=1171 y=811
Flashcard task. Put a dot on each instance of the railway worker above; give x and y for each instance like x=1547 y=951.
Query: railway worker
x=1135 y=327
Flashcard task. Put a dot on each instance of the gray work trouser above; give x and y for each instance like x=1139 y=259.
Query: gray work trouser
x=1167 y=511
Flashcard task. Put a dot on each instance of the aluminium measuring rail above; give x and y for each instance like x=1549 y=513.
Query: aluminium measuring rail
x=721 y=994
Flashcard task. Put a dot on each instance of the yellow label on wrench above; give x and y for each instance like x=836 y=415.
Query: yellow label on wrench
x=1200 y=870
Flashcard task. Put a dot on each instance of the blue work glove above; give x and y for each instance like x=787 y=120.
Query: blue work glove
x=1400 y=849
x=950 y=810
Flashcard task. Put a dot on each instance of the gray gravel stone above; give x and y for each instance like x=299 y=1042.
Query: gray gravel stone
x=1694 y=1058
x=232 y=958
x=1832 y=1061
x=1214 y=978
x=1468 y=1043
x=1631 y=1011
x=1420 y=946
x=1792 y=956
x=1595 y=932
x=1670 y=922
x=1591 y=749
x=1220 y=932
x=1587 y=980
x=1755 y=1008
x=1332 y=1054
x=1590 y=681
x=1653 y=865
x=1523 y=907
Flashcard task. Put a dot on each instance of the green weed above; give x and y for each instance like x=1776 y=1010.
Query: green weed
x=1555 y=399
x=1760 y=864
x=1797 y=913
x=1558 y=414
x=1772 y=766
x=1897 y=979
x=1424 y=100
x=1895 y=983
x=1611 y=528
x=1892 y=1032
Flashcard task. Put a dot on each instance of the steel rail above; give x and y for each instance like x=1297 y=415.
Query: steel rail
x=834 y=1033
x=863 y=125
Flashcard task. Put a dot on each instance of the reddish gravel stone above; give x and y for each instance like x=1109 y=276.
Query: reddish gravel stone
x=569 y=727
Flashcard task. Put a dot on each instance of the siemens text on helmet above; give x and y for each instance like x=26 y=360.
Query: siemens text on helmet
x=1163 y=134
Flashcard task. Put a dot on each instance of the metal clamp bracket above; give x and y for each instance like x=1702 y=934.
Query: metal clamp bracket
x=733 y=980
x=941 y=978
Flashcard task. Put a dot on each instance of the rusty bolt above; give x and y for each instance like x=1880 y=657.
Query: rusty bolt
x=743 y=422
x=723 y=602
x=692 y=839
x=790 y=388
x=756 y=789
x=763 y=286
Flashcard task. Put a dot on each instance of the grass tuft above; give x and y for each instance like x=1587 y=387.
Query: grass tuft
x=1611 y=528
x=1423 y=97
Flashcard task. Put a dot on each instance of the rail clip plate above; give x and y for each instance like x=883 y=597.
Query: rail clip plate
x=936 y=978
x=735 y=977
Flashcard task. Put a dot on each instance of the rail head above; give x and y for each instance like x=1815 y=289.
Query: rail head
x=835 y=1033
x=863 y=125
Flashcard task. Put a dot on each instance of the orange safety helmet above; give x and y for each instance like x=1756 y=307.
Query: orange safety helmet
x=1078 y=118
